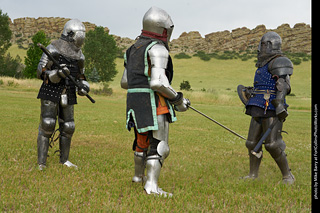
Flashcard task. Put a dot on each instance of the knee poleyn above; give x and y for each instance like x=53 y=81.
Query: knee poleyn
x=275 y=148
x=68 y=129
x=250 y=144
x=47 y=126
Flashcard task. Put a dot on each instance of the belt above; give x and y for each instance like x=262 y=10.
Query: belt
x=264 y=91
x=266 y=96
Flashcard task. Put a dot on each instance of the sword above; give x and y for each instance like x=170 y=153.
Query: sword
x=233 y=132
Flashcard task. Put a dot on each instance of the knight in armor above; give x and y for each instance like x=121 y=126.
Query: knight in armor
x=58 y=93
x=265 y=103
x=150 y=98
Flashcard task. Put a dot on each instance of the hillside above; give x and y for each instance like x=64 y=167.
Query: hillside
x=296 y=39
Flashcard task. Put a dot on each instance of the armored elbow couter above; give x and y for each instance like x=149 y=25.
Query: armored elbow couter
x=56 y=74
x=53 y=76
x=163 y=88
x=124 y=80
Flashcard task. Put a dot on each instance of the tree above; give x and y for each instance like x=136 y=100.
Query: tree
x=100 y=51
x=34 y=54
x=8 y=66
x=94 y=76
x=5 y=33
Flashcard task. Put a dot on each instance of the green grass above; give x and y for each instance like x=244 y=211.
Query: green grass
x=15 y=50
x=203 y=169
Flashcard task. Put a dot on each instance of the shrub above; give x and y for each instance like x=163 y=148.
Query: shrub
x=203 y=56
x=296 y=61
x=106 y=90
x=182 y=56
x=185 y=85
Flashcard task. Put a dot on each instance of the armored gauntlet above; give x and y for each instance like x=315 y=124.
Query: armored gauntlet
x=181 y=104
x=85 y=88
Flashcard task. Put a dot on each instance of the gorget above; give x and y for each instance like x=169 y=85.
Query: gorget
x=67 y=49
x=158 y=40
x=263 y=59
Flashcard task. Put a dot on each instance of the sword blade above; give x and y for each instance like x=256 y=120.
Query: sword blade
x=211 y=119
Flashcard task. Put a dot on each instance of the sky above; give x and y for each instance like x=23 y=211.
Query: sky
x=124 y=17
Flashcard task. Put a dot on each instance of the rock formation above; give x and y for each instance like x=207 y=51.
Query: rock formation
x=24 y=28
x=296 y=39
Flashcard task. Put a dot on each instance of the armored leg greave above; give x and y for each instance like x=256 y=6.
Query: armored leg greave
x=153 y=172
x=254 y=167
x=43 y=146
x=276 y=146
x=287 y=176
x=154 y=165
x=47 y=124
x=67 y=128
x=158 y=151
x=254 y=134
x=64 y=144
x=139 y=167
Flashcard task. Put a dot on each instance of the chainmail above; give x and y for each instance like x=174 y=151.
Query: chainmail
x=67 y=49
x=264 y=58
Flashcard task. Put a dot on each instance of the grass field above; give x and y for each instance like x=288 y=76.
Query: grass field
x=203 y=169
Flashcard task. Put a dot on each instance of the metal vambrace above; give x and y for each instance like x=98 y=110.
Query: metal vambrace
x=159 y=82
x=283 y=88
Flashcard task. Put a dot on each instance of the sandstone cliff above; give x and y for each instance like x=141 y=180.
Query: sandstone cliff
x=24 y=28
x=296 y=39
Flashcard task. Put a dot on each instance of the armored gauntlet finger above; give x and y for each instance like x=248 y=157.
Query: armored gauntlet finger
x=64 y=72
